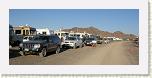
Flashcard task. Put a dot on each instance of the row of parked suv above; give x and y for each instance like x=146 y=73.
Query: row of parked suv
x=41 y=44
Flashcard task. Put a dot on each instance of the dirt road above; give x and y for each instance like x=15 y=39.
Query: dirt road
x=115 y=53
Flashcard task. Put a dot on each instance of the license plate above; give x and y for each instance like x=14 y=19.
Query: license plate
x=26 y=49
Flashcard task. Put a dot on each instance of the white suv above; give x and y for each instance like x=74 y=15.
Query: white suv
x=73 y=42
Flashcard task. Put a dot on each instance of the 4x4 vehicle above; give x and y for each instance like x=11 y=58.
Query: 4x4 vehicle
x=73 y=42
x=106 y=40
x=99 y=41
x=14 y=40
x=41 y=44
x=90 y=41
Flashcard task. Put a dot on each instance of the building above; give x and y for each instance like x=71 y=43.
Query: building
x=78 y=34
x=61 y=33
x=24 y=30
x=81 y=35
x=114 y=38
x=44 y=31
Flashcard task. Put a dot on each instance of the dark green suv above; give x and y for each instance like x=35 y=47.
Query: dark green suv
x=41 y=44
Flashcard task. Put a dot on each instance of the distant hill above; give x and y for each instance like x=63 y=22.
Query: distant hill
x=95 y=31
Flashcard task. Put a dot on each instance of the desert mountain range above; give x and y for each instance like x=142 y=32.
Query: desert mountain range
x=95 y=31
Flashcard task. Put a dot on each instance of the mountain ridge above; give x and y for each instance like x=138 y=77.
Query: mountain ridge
x=95 y=31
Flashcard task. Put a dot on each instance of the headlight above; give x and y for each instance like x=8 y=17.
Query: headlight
x=37 y=46
x=21 y=45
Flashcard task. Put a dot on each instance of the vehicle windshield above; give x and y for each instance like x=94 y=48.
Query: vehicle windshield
x=30 y=38
x=25 y=37
x=70 y=38
x=101 y=38
x=64 y=34
x=40 y=38
x=90 y=39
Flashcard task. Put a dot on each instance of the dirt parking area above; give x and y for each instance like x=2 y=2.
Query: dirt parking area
x=114 y=53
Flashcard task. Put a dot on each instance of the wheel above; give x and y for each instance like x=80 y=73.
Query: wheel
x=22 y=53
x=58 y=50
x=17 y=43
x=74 y=47
x=43 y=52
x=12 y=44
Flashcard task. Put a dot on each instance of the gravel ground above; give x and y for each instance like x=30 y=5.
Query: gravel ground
x=115 y=53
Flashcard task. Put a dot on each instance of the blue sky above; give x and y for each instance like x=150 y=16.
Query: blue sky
x=125 y=20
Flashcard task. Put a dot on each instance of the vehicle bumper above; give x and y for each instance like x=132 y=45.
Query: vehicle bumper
x=68 y=44
x=88 y=43
x=99 y=42
x=30 y=50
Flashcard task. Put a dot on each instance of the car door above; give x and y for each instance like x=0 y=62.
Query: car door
x=49 y=43
x=79 y=41
x=53 y=43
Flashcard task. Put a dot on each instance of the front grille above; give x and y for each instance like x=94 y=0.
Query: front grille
x=29 y=46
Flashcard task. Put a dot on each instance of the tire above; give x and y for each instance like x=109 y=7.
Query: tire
x=12 y=44
x=17 y=43
x=57 y=50
x=43 y=52
x=74 y=47
x=22 y=53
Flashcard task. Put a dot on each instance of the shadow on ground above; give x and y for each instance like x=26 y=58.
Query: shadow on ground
x=13 y=53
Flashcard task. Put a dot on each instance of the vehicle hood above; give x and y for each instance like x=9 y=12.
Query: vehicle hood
x=34 y=42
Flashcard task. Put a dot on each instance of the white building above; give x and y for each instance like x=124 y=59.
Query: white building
x=61 y=34
x=118 y=39
x=114 y=38
x=78 y=34
x=44 y=31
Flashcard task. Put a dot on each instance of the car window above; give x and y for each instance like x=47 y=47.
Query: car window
x=101 y=38
x=57 y=39
x=41 y=38
x=79 y=38
x=54 y=39
x=90 y=39
x=71 y=38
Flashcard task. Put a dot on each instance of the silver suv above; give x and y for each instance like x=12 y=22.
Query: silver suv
x=73 y=42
